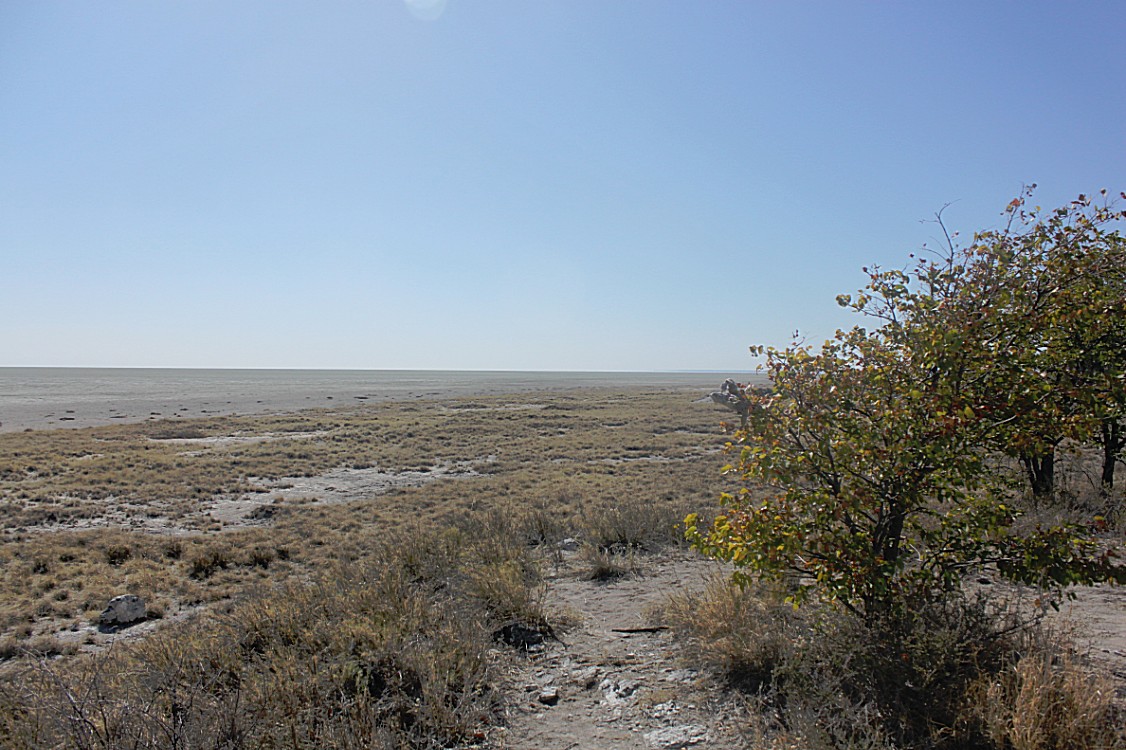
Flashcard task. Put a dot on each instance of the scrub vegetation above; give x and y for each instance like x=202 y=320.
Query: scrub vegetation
x=374 y=614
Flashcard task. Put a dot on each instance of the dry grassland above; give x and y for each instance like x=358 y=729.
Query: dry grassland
x=376 y=550
x=196 y=511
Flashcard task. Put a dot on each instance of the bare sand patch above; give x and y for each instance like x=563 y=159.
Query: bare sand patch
x=224 y=440
x=341 y=485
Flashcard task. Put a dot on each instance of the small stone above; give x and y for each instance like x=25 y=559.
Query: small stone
x=615 y=693
x=549 y=696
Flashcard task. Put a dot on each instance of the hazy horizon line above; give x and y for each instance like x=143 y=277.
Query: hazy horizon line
x=689 y=371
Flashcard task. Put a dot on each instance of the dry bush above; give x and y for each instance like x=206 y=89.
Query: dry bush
x=509 y=591
x=544 y=522
x=899 y=683
x=1048 y=698
x=631 y=523
x=741 y=634
x=956 y=675
x=499 y=564
x=494 y=535
x=605 y=564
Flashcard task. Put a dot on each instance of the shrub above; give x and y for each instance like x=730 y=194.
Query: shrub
x=956 y=675
x=261 y=556
x=743 y=634
x=605 y=564
x=118 y=554
x=205 y=564
x=899 y=683
x=630 y=523
x=877 y=448
x=508 y=591
x=1046 y=698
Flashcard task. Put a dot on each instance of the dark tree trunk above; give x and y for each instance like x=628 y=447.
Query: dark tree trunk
x=1041 y=472
x=1112 y=440
x=886 y=543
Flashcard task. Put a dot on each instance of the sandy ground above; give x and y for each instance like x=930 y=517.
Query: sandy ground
x=40 y=417
x=1099 y=616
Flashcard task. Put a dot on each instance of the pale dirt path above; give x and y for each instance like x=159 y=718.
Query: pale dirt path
x=617 y=689
x=1098 y=614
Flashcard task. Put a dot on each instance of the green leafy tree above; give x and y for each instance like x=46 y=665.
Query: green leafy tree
x=1050 y=290
x=867 y=467
x=1085 y=343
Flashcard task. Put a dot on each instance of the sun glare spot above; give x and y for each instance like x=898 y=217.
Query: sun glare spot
x=426 y=10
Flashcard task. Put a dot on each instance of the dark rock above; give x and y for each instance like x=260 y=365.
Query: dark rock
x=519 y=635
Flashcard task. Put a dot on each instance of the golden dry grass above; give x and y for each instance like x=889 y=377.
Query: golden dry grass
x=1047 y=698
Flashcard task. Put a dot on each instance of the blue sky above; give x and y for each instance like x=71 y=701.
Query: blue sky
x=513 y=184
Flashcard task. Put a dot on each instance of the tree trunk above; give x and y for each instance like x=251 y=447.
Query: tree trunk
x=1041 y=472
x=1112 y=440
x=886 y=540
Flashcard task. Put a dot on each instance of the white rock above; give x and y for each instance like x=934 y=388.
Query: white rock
x=615 y=693
x=676 y=738
x=587 y=677
x=123 y=610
